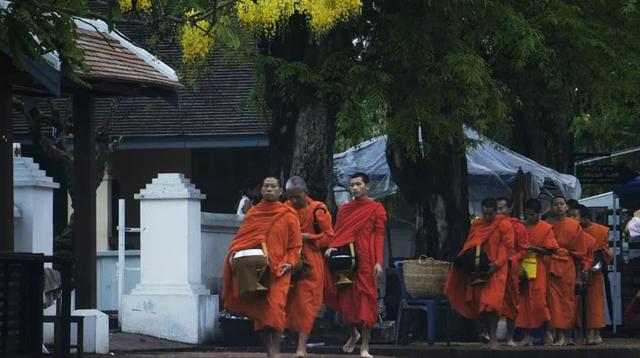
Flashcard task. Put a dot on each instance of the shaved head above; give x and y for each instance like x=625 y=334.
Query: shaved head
x=296 y=183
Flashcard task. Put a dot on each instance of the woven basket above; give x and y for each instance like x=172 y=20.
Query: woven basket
x=425 y=277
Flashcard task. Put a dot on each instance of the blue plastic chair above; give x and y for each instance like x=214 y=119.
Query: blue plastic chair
x=430 y=306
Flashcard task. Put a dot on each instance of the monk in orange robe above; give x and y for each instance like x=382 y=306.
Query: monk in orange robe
x=533 y=311
x=362 y=222
x=276 y=225
x=517 y=254
x=494 y=233
x=305 y=297
x=564 y=271
x=595 y=281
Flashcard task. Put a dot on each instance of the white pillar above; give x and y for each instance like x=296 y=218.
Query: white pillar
x=170 y=302
x=33 y=196
x=103 y=213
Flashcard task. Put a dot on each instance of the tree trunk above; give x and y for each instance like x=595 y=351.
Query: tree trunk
x=438 y=188
x=302 y=128
x=313 y=148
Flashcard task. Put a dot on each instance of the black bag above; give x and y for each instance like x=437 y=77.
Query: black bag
x=342 y=259
x=467 y=261
x=302 y=270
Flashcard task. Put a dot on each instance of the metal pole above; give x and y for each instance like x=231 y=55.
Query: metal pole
x=121 y=232
x=616 y=237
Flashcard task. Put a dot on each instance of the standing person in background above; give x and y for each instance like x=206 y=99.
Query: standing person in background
x=362 y=222
x=533 y=308
x=512 y=290
x=305 y=296
x=249 y=194
x=633 y=226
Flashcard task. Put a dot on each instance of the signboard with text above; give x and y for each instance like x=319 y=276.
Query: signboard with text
x=604 y=174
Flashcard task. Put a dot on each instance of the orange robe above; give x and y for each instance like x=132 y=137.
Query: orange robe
x=361 y=222
x=561 y=296
x=533 y=308
x=305 y=297
x=517 y=254
x=277 y=225
x=497 y=239
x=595 y=283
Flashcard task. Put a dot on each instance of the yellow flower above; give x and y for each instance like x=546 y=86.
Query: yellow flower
x=142 y=5
x=264 y=16
x=197 y=39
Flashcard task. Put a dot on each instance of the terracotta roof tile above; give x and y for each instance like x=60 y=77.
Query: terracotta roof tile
x=213 y=107
x=108 y=59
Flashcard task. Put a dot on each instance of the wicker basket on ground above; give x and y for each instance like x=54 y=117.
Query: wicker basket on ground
x=425 y=277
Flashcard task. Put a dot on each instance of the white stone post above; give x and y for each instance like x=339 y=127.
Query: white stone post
x=170 y=302
x=33 y=196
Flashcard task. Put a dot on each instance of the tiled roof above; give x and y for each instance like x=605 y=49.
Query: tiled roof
x=114 y=58
x=212 y=107
x=107 y=59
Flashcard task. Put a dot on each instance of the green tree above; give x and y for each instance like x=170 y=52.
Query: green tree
x=579 y=92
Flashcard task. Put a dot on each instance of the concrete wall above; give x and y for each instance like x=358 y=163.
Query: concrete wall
x=217 y=232
x=107 y=272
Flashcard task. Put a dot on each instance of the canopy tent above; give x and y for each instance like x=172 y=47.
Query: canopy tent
x=601 y=200
x=492 y=170
x=493 y=167
x=629 y=194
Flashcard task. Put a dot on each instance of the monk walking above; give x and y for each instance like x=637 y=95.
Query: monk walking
x=361 y=221
x=533 y=309
x=595 y=280
x=274 y=227
x=494 y=234
x=565 y=267
x=517 y=254
x=305 y=297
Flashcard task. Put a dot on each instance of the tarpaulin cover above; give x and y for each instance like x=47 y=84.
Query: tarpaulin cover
x=491 y=166
x=368 y=157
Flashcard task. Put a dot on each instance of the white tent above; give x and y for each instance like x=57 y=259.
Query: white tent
x=600 y=200
x=491 y=166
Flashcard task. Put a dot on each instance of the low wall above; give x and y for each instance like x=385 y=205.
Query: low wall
x=217 y=232
x=107 y=277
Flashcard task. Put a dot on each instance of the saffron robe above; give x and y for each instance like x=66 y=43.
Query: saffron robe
x=305 y=297
x=277 y=225
x=497 y=239
x=595 y=283
x=533 y=307
x=518 y=253
x=361 y=222
x=561 y=277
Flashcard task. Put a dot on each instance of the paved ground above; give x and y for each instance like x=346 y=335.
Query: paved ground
x=132 y=345
x=221 y=355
